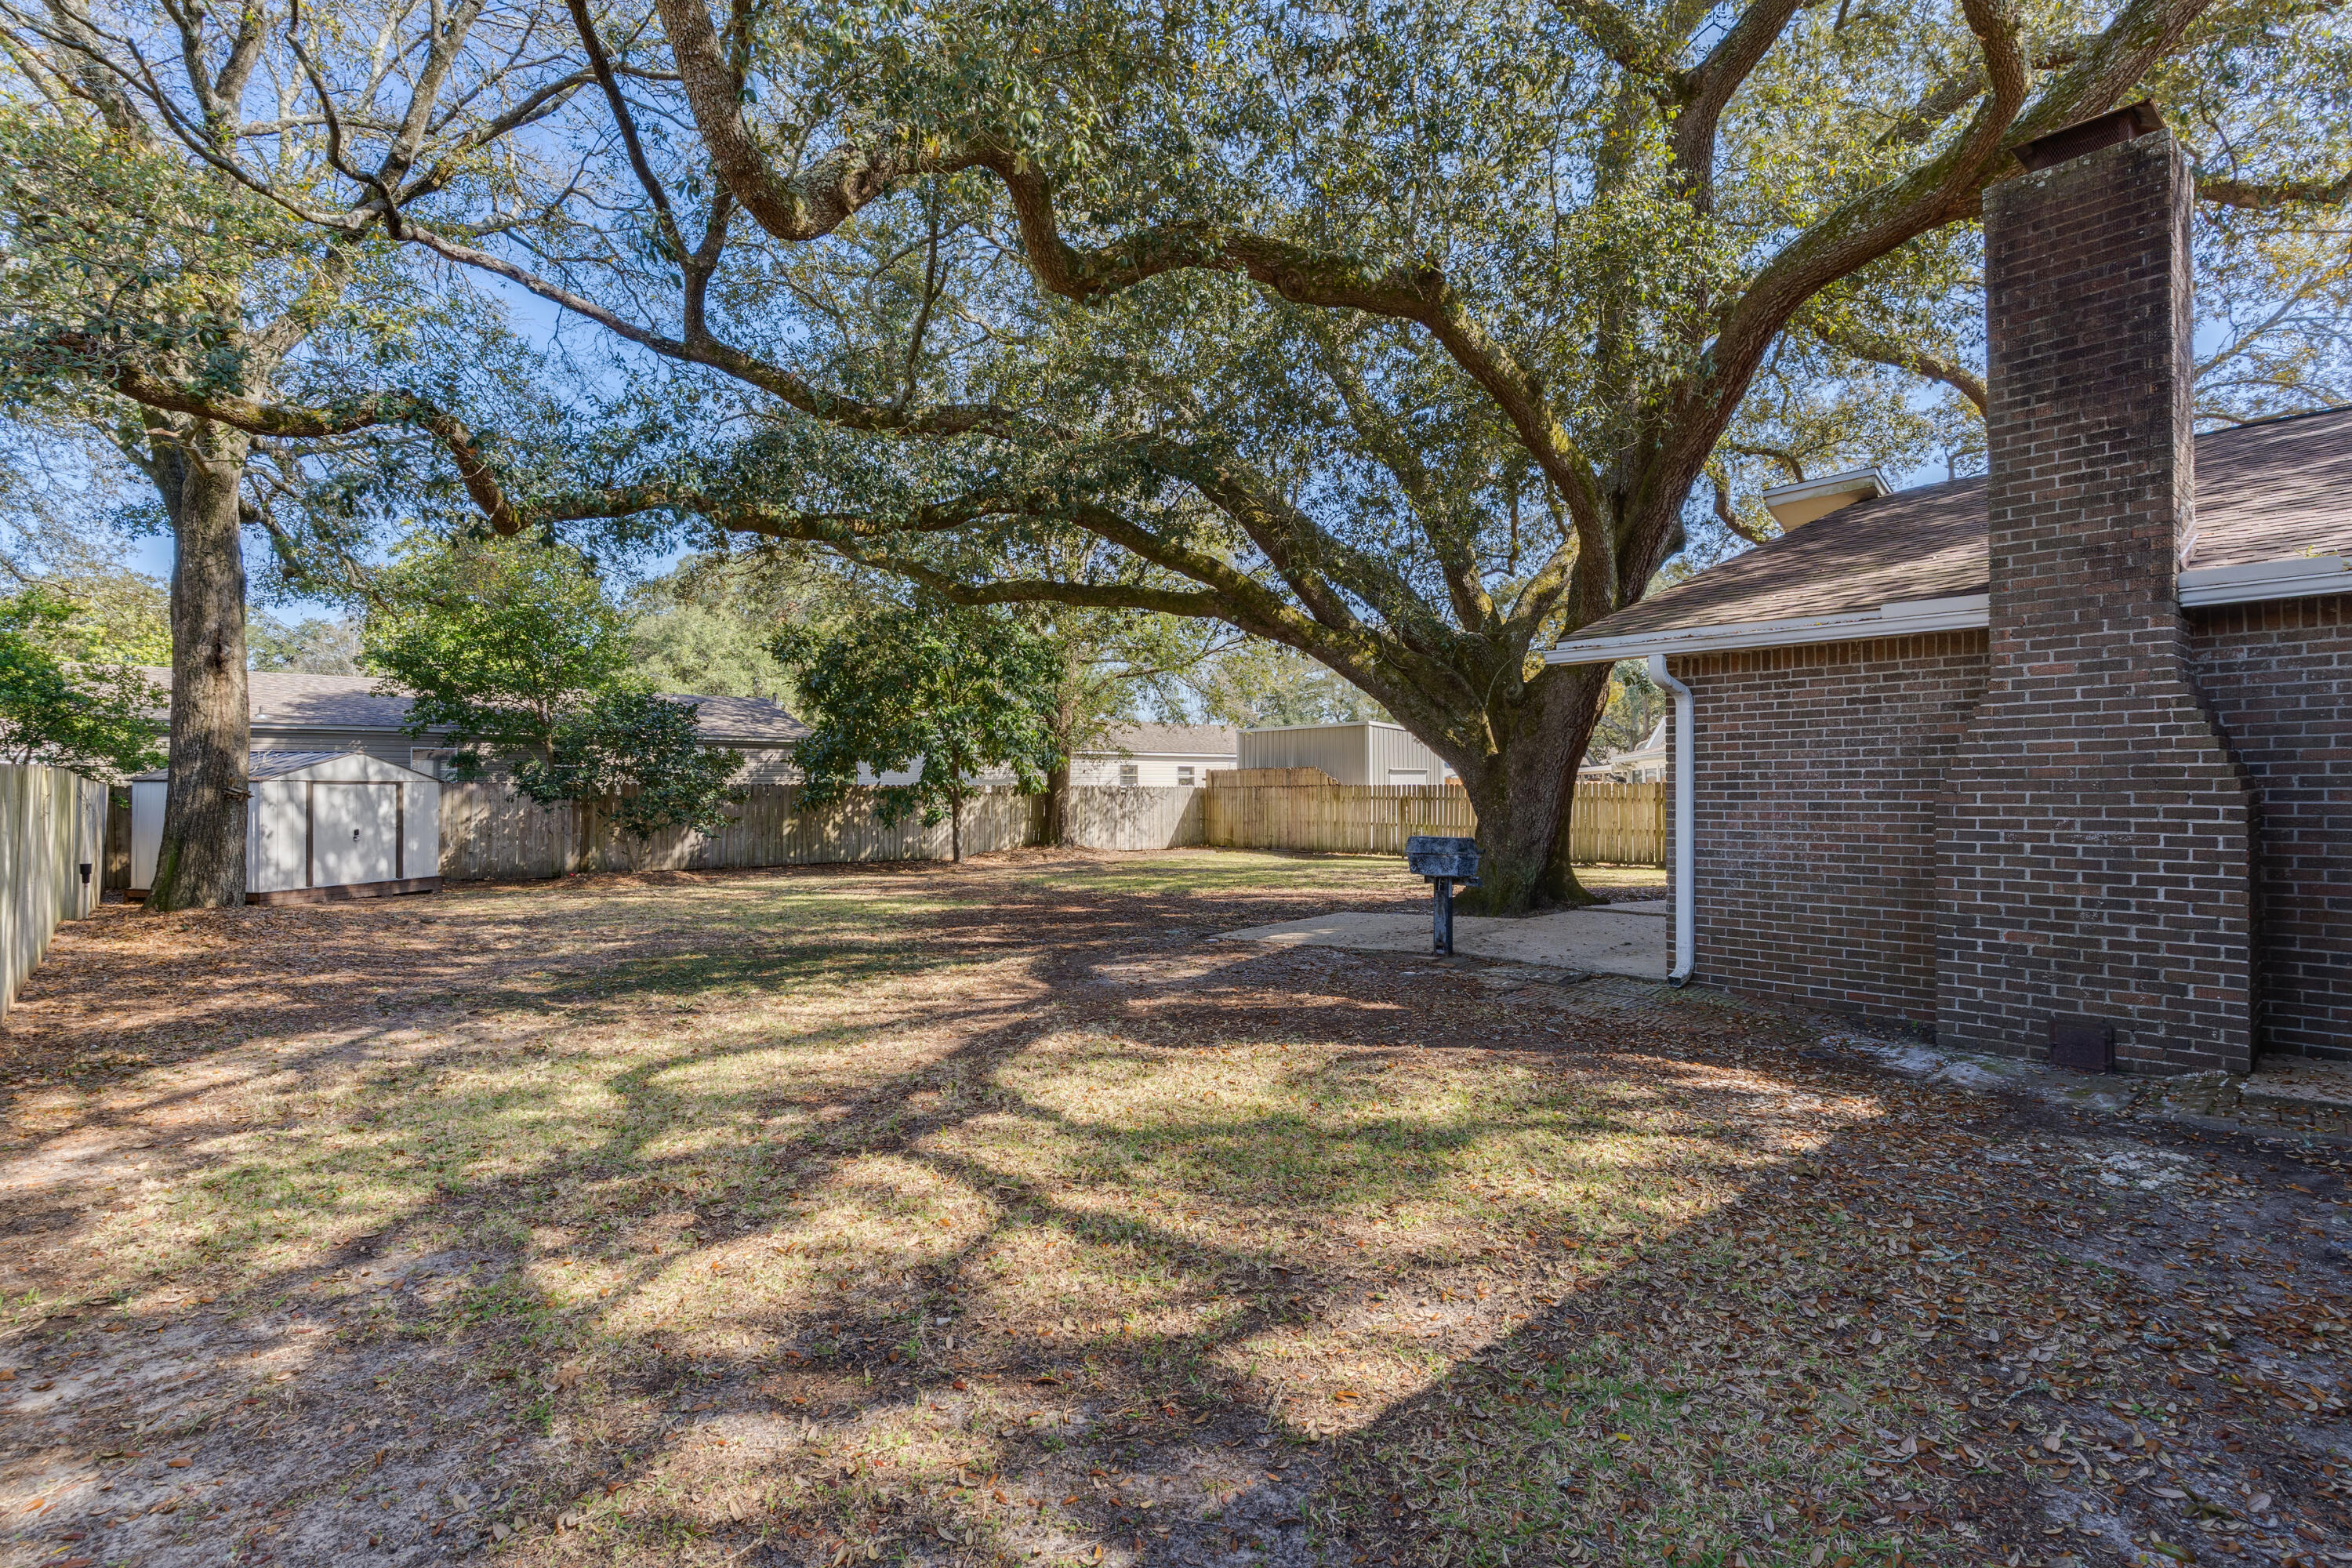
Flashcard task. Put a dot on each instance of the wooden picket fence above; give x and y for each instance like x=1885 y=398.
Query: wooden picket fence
x=1618 y=823
x=1335 y=818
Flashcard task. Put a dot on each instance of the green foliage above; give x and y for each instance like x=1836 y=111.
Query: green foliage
x=499 y=641
x=952 y=692
x=119 y=616
x=639 y=751
x=99 y=721
x=1263 y=683
x=309 y=646
x=705 y=626
x=1634 y=706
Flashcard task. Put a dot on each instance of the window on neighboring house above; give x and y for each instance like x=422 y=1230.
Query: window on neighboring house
x=1129 y=776
x=1183 y=775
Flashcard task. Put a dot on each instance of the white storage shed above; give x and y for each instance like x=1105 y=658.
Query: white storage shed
x=319 y=826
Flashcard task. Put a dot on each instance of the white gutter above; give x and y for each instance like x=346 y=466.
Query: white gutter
x=1686 y=811
x=2298 y=578
x=1963 y=612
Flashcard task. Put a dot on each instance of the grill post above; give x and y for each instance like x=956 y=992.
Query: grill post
x=1444 y=861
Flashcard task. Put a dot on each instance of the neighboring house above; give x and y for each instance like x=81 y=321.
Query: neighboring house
x=1644 y=764
x=1156 y=756
x=2052 y=761
x=346 y=714
x=1364 y=753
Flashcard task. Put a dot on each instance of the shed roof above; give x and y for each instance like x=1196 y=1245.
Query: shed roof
x=282 y=702
x=2265 y=491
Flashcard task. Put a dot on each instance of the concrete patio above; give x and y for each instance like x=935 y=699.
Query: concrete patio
x=1629 y=939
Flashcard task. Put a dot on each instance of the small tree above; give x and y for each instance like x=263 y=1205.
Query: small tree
x=97 y=720
x=515 y=649
x=497 y=641
x=945 y=694
x=639 y=753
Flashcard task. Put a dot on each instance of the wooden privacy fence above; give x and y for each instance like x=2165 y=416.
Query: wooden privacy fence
x=489 y=831
x=52 y=823
x=486 y=832
x=1109 y=816
x=1620 y=824
x=1347 y=819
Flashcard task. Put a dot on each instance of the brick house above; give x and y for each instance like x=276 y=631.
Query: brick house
x=2058 y=761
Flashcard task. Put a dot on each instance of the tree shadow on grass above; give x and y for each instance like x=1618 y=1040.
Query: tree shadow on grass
x=897 y=1277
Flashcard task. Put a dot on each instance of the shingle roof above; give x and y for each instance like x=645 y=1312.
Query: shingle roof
x=1168 y=739
x=2265 y=492
x=282 y=703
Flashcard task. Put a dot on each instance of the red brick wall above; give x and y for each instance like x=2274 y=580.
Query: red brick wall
x=2095 y=856
x=1818 y=774
x=2280 y=679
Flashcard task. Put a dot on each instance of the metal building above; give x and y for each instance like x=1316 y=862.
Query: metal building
x=1365 y=753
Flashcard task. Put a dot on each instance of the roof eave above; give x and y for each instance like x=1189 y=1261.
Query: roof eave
x=2297 y=577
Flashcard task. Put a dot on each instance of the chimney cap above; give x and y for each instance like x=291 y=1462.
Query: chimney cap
x=2069 y=142
x=1793 y=506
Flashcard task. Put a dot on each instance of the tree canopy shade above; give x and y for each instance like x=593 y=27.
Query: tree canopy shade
x=945 y=695
x=1400 y=334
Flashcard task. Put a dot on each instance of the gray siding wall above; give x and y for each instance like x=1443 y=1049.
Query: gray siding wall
x=1338 y=749
x=385 y=745
x=1351 y=754
x=1396 y=749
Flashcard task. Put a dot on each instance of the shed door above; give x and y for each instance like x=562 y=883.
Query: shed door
x=354 y=833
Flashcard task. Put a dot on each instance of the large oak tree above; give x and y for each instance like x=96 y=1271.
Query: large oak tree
x=1400 y=333
x=153 y=265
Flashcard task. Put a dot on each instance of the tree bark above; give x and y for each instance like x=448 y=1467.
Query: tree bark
x=1522 y=793
x=201 y=861
x=955 y=829
x=1057 y=804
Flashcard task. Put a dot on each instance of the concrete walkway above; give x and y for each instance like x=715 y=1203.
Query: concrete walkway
x=1613 y=939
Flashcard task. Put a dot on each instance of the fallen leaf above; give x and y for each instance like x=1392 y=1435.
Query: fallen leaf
x=178 y=1464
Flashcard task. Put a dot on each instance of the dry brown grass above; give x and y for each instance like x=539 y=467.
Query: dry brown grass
x=915 y=1215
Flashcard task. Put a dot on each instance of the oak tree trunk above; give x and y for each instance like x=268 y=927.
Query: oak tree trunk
x=201 y=861
x=1522 y=792
x=1057 y=804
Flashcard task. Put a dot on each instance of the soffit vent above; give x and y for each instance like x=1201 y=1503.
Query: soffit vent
x=1794 y=506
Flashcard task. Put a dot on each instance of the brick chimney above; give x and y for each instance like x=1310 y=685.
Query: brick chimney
x=2095 y=852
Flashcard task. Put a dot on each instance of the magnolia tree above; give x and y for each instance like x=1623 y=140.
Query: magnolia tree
x=1410 y=337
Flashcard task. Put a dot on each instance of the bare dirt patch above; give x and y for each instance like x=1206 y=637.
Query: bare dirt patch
x=915 y=1215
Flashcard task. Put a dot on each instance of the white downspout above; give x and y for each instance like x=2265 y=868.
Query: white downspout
x=1685 y=798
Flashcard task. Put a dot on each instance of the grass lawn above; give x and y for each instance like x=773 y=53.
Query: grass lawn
x=993 y=1215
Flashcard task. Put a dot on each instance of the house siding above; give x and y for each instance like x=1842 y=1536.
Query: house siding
x=2279 y=677
x=1820 y=772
